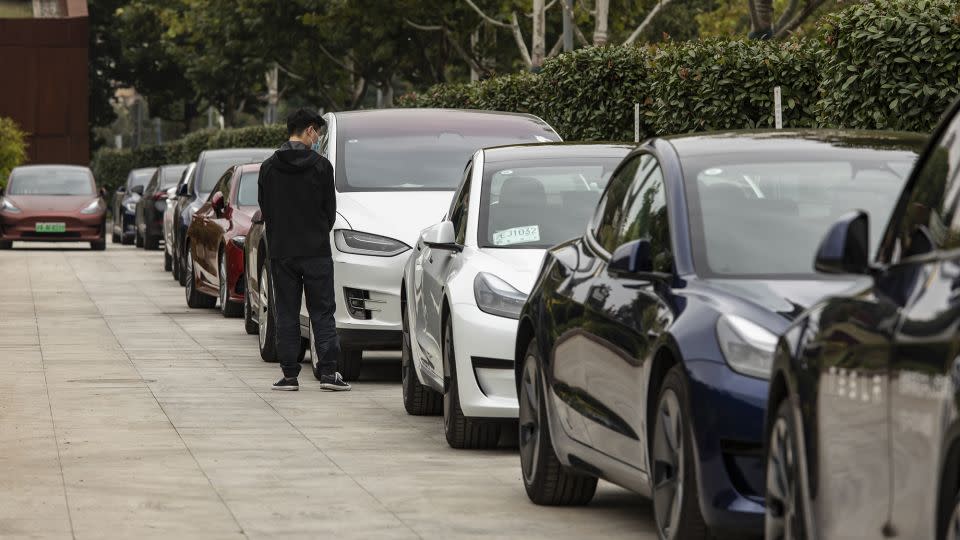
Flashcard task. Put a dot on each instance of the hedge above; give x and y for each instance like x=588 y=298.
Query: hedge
x=890 y=65
x=13 y=148
x=887 y=64
x=110 y=166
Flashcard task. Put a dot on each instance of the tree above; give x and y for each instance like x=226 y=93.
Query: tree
x=13 y=148
x=793 y=14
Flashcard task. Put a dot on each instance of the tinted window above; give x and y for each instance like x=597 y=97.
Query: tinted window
x=752 y=214
x=928 y=214
x=247 y=193
x=212 y=167
x=645 y=216
x=154 y=182
x=50 y=181
x=140 y=177
x=171 y=175
x=538 y=204
x=371 y=157
x=460 y=206
x=223 y=186
x=609 y=213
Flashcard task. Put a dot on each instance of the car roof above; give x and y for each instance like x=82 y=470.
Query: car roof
x=233 y=151
x=51 y=166
x=249 y=167
x=425 y=118
x=726 y=142
x=516 y=152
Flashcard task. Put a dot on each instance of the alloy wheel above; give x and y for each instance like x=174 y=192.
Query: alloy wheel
x=529 y=418
x=189 y=279
x=668 y=467
x=223 y=282
x=263 y=316
x=783 y=521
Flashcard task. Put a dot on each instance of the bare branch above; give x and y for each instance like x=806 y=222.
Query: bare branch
x=546 y=8
x=812 y=5
x=423 y=27
x=288 y=72
x=576 y=28
x=448 y=35
x=486 y=17
x=518 y=36
x=557 y=47
x=787 y=14
x=335 y=60
x=643 y=25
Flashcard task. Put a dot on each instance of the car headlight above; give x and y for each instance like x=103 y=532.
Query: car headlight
x=92 y=208
x=238 y=241
x=360 y=243
x=8 y=206
x=497 y=297
x=747 y=347
x=131 y=206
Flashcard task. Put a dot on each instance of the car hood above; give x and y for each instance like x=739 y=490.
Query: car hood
x=787 y=298
x=518 y=267
x=395 y=214
x=51 y=203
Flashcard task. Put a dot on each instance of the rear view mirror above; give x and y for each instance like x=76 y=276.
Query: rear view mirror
x=634 y=257
x=440 y=236
x=258 y=217
x=846 y=247
x=122 y=189
x=183 y=191
x=137 y=189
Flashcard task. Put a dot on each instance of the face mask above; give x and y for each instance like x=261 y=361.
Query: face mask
x=316 y=146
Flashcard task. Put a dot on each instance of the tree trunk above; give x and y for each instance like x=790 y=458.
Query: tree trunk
x=600 y=33
x=539 y=41
x=761 y=19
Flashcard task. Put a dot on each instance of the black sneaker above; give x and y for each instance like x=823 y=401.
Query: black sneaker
x=289 y=385
x=334 y=382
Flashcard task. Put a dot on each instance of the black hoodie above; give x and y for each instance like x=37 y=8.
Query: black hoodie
x=298 y=202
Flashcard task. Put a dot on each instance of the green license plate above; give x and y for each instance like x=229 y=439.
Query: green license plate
x=51 y=227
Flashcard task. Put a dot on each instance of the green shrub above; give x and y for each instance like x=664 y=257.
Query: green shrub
x=722 y=84
x=13 y=148
x=512 y=93
x=893 y=64
x=110 y=166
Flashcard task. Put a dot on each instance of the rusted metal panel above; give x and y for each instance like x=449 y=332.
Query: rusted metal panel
x=44 y=62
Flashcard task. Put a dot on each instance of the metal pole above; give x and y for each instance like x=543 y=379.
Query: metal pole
x=777 y=108
x=567 y=25
x=636 y=122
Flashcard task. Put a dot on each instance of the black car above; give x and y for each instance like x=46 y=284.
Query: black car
x=644 y=350
x=124 y=205
x=863 y=425
x=152 y=205
x=194 y=192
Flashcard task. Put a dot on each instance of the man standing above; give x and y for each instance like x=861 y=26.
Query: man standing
x=298 y=204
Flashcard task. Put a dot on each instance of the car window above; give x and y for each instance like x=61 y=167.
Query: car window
x=213 y=166
x=223 y=186
x=460 y=206
x=50 y=181
x=607 y=219
x=644 y=212
x=153 y=183
x=247 y=193
x=928 y=216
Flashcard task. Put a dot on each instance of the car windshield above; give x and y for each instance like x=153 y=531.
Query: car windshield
x=538 y=204
x=140 y=177
x=247 y=193
x=214 y=167
x=420 y=158
x=50 y=181
x=171 y=175
x=745 y=214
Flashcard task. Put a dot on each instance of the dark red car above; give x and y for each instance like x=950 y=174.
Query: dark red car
x=52 y=203
x=215 y=241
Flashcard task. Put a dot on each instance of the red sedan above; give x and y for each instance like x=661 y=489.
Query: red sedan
x=52 y=203
x=215 y=241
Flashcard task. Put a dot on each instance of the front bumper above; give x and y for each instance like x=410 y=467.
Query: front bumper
x=484 y=352
x=235 y=281
x=727 y=414
x=79 y=228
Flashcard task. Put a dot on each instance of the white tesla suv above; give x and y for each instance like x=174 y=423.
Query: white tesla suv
x=395 y=172
x=470 y=274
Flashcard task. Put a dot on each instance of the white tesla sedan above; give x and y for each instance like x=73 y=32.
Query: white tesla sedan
x=395 y=171
x=470 y=274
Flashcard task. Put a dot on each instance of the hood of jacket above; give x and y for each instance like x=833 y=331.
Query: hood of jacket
x=293 y=156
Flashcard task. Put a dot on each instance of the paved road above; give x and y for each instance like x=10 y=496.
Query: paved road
x=123 y=414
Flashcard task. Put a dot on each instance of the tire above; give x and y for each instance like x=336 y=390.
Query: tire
x=251 y=326
x=6 y=244
x=184 y=258
x=952 y=528
x=676 y=504
x=151 y=242
x=349 y=362
x=114 y=237
x=228 y=309
x=137 y=239
x=99 y=245
x=195 y=298
x=418 y=398
x=545 y=479
x=126 y=240
x=176 y=267
x=461 y=431
x=167 y=261
x=266 y=329
x=785 y=509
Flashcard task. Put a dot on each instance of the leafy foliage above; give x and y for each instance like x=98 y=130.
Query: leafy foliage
x=890 y=65
x=13 y=148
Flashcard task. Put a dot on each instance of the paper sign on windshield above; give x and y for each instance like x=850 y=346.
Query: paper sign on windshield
x=517 y=235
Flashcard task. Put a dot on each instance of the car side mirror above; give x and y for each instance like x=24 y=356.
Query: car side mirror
x=122 y=189
x=183 y=190
x=137 y=189
x=258 y=217
x=440 y=236
x=102 y=192
x=217 y=202
x=846 y=247
x=634 y=257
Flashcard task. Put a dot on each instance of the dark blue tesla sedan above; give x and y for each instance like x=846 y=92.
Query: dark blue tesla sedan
x=644 y=351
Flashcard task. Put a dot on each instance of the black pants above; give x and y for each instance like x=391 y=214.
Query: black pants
x=311 y=277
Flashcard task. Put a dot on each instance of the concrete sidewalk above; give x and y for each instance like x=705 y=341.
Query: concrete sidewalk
x=124 y=414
